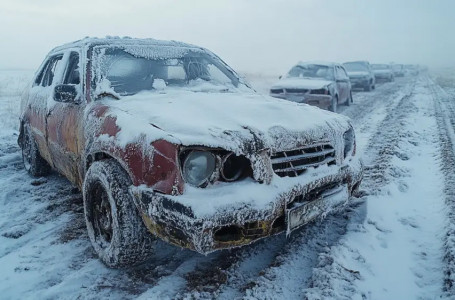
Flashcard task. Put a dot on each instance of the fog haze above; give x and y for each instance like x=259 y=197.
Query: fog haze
x=252 y=36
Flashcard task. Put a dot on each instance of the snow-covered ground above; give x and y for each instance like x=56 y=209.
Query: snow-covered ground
x=396 y=242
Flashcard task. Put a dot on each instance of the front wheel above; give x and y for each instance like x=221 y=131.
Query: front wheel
x=34 y=163
x=350 y=99
x=114 y=225
x=334 y=104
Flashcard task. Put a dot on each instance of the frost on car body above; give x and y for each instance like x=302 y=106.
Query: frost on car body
x=361 y=75
x=321 y=84
x=166 y=132
x=383 y=72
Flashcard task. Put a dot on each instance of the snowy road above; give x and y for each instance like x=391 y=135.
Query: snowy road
x=396 y=242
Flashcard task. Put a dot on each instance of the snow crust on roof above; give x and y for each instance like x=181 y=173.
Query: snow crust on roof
x=316 y=62
x=123 y=41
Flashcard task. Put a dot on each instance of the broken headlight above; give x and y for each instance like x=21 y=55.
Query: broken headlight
x=349 y=142
x=198 y=167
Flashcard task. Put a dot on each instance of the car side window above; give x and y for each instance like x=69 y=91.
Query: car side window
x=72 y=75
x=39 y=78
x=49 y=74
x=343 y=73
x=337 y=73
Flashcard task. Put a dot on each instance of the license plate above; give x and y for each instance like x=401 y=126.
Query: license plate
x=303 y=213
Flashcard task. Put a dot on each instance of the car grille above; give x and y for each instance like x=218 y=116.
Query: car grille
x=277 y=91
x=295 y=162
x=296 y=91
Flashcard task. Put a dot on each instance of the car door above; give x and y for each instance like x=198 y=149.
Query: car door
x=63 y=123
x=38 y=97
x=342 y=84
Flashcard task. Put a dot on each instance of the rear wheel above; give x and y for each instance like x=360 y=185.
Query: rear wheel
x=34 y=163
x=114 y=224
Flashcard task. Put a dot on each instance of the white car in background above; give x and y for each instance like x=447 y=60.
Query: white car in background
x=361 y=75
x=322 y=84
x=383 y=72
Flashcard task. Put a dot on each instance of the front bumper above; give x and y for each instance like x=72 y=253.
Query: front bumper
x=359 y=82
x=321 y=101
x=247 y=218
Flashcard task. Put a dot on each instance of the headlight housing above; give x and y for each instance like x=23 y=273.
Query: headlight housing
x=202 y=167
x=198 y=167
x=349 y=142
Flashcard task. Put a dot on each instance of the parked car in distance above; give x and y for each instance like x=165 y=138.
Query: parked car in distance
x=398 y=70
x=361 y=75
x=167 y=141
x=321 y=84
x=383 y=72
x=412 y=69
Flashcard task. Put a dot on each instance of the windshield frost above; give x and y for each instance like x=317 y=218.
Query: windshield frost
x=311 y=71
x=355 y=67
x=129 y=74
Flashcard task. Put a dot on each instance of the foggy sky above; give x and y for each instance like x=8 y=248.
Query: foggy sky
x=250 y=35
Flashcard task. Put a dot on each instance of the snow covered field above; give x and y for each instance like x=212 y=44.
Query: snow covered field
x=396 y=242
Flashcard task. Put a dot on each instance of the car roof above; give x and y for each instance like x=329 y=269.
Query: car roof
x=321 y=63
x=93 y=41
x=357 y=62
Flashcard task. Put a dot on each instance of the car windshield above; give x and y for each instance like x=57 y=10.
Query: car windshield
x=311 y=71
x=356 y=67
x=130 y=73
x=380 y=67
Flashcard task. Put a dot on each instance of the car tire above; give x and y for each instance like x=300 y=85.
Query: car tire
x=350 y=99
x=114 y=224
x=334 y=104
x=34 y=163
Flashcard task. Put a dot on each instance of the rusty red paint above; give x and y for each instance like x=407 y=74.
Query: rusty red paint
x=162 y=173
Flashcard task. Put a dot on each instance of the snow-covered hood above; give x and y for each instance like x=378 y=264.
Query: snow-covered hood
x=240 y=122
x=301 y=83
x=358 y=74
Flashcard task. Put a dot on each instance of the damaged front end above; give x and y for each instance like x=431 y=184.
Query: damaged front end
x=278 y=192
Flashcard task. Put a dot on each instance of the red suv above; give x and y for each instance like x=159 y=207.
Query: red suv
x=165 y=140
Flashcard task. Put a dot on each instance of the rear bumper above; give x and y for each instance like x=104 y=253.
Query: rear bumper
x=243 y=222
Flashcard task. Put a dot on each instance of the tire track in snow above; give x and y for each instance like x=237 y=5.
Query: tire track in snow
x=445 y=112
x=243 y=278
x=330 y=279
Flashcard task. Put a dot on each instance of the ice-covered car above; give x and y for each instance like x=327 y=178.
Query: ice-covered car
x=411 y=69
x=383 y=72
x=321 y=84
x=165 y=140
x=361 y=75
x=398 y=70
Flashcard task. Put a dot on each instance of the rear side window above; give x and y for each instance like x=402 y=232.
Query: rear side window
x=72 y=75
x=49 y=73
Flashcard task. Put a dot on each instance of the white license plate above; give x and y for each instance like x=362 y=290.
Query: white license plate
x=305 y=212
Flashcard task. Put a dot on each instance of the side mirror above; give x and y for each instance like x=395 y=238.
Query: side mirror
x=281 y=76
x=66 y=93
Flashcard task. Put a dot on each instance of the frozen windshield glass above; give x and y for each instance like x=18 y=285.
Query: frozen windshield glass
x=355 y=67
x=129 y=74
x=380 y=67
x=311 y=71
